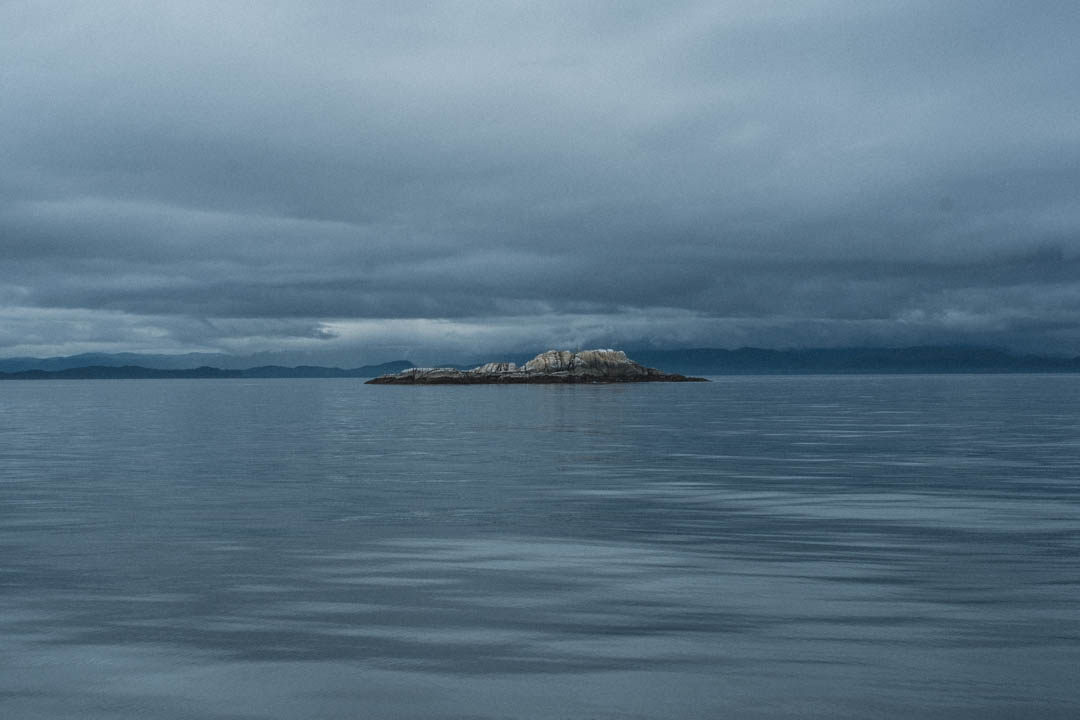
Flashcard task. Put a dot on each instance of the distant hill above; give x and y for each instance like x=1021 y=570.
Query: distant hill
x=156 y=362
x=923 y=359
x=187 y=361
x=130 y=372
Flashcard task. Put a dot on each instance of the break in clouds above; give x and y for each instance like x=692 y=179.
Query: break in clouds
x=379 y=180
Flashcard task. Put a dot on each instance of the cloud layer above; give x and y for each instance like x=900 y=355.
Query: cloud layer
x=416 y=177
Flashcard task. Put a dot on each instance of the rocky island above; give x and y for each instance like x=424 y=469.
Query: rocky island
x=551 y=367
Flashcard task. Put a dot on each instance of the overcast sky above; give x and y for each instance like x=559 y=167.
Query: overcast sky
x=420 y=180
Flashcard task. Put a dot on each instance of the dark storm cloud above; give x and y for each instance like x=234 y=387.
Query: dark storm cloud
x=210 y=175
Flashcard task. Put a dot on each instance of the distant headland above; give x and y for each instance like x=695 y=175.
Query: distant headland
x=547 y=368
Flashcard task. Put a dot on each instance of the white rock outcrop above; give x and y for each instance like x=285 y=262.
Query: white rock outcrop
x=553 y=366
x=586 y=362
x=496 y=367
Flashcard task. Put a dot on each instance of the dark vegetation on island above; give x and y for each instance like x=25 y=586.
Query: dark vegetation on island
x=702 y=361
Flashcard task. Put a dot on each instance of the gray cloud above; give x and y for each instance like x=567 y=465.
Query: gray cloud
x=364 y=178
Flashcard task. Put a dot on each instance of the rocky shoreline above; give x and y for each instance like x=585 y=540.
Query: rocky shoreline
x=547 y=368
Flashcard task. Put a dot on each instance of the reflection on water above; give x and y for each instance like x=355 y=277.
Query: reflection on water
x=756 y=547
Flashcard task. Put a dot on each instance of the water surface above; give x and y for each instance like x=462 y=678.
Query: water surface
x=770 y=547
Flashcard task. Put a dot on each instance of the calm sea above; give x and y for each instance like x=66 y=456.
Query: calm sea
x=757 y=547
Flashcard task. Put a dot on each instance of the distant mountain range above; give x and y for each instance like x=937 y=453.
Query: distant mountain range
x=186 y=361
x=700 y=361
x=128 y=372
x=923 y=359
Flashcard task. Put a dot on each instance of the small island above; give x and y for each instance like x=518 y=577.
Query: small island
x=551 y=367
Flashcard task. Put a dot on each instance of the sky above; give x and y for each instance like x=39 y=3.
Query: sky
x=360 y=182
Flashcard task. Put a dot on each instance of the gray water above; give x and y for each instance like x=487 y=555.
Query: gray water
x=772 y=547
